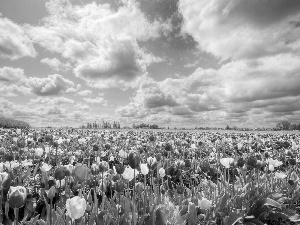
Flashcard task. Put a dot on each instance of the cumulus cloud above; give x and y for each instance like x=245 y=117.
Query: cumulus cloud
x=85 y=93
x=239 y=92
x=52 y=85
x=98 y=100
x=14 y=43
x=102 y=42
x=55 y=64
x=10 y=75
x=51 y=101
x=244 y=29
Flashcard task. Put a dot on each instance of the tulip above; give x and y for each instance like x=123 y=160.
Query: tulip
x=275 y=163
x=5 y=180
x=103 y=166
x=271 y=168
x=227 y=162
x=162 y=172
x=16 y=197
x=95 y=169
x=144 y=168
x=128 y=173
x=76 y=207
x=133 y=160
x=81 y=172
x=45 y=167
x=95 y=148
x=204 y=204
x=122 y=154
x=280 y=175
x=51 y=193
x=60 y=173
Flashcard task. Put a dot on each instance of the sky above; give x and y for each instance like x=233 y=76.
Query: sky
x=175 y=63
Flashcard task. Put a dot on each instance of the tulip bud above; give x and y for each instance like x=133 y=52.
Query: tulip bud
x=187 y=163
x=55 y=144
x=240 y=162
x=133 y=160
x=271 y=168
x=204 y=204
x=103 y=167
x=95 y=169
x=5 y=180
x=60 y=173
x=252 y=161
x=39 y=152
x=119 y=168
x=16 y=197
x=144 y=169
x=120 y=187
x=51 y=193
x=95 y=148
x=76 y=207
x=162 y=172
x=158 y=157
x=116 y=178
x=292 y=161
x=180 y=190
x=81 y=172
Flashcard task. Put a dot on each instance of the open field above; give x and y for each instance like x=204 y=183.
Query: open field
x=149 y=177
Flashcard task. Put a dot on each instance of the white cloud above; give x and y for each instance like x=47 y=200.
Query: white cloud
x=51 y=101
x=56 y=65
x=241 y=29
x=10 y=75
x=52 y=85
x=98 y=100
x=14 y=43
x=85 y=93
x=100 y=41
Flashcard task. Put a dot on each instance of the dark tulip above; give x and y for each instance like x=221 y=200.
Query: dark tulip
x=158 y=157
x=119 y=168
x=134 y=160
x=103 y=167
x=292 y=162
x=60 y=173
x=291 y=182
x=240 y=162
x=95 y=148
x=251 y=161
x=180 y=190
x=187 y=163
x=55 y=144
x=120 y=187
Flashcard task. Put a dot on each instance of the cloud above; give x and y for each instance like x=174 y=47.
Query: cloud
x=55 y=64
x=85 y=93
x=120 y=65
x=243 y=29
x=10 y=75
x=51 y=101
x=98 y=100
x=240 y=92
x=14 y=43
x=82 y=106
x=101 y=42
x=52 y=85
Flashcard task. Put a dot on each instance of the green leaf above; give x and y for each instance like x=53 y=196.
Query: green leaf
x=234 y=217
x=182 y=220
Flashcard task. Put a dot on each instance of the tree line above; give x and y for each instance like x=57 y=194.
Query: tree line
x=285 y=125
x=12 y=123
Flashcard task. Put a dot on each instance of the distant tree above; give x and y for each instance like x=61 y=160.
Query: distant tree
x=227 y=127
x=284 y=125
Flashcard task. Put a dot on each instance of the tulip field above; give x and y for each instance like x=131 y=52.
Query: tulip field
x=151 y=177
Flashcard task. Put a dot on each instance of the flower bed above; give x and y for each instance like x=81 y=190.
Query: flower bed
x=148 y=177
